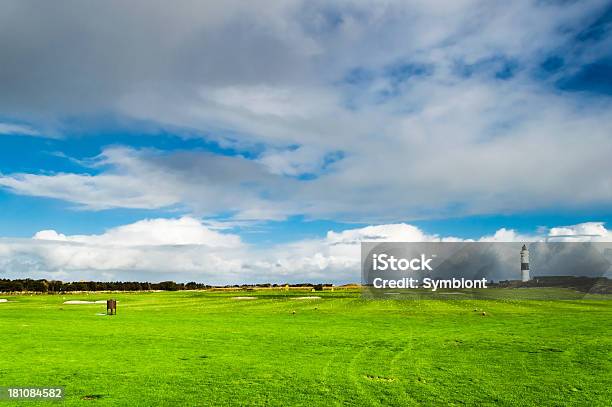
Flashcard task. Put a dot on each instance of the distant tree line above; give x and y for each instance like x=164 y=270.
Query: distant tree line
x=593 y=285
x=55 y=286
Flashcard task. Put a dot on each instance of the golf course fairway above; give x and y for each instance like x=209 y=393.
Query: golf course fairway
x=291 y=348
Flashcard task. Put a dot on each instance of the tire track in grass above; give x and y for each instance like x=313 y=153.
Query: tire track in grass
x=325 y=374
x=395 y=371
x=357 y=379
x=416 y=368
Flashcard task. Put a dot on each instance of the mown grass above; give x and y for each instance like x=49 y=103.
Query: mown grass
x=203 y=348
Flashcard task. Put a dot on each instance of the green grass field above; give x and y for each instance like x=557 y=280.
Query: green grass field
x=206 y=348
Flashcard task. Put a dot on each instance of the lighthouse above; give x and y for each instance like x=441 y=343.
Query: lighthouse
x=524 y=264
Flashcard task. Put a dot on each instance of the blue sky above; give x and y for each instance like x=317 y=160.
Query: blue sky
x=285 y=125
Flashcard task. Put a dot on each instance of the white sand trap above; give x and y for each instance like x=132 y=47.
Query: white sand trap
x=79 y=302
x=244 y=298
x=312 y=297
x=3 y=300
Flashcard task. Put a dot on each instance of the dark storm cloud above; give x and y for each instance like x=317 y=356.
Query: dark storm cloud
x=73 y=57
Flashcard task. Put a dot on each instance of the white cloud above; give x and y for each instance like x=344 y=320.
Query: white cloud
x=299 y=161
x=509 y=235
x=18 y=129
x=152 y=232
x=93 y=192
x=205 y=183
x=400 y=232
x=589 y=231
x=148 y=249
x=186 y=249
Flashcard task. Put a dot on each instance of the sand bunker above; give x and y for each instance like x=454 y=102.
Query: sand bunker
x=312 y=297
x=244 y=298
x=79 y=302
x=3 y=300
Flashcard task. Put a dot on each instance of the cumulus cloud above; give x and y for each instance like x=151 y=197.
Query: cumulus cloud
x=186 y=249
x=147 y=249
x=588 y=231
x=151 y=232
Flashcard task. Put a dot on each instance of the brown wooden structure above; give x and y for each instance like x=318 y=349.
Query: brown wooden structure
x=111 y=307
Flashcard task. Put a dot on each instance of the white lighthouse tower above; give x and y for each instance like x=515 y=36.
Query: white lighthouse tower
x=524 y=264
